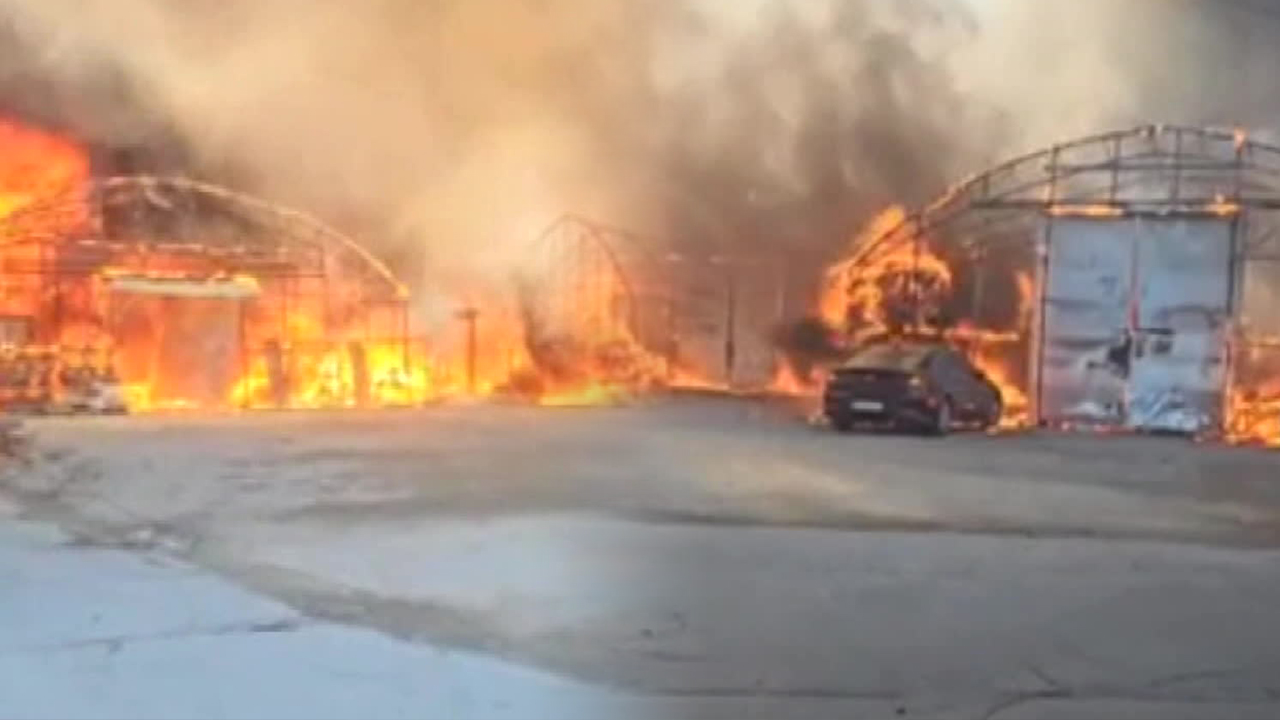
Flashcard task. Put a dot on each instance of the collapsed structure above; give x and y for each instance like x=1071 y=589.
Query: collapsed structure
x=175 y=293
x=1123 y=280
x=190 y=295
x=181 y=294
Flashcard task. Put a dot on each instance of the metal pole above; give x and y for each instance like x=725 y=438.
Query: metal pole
x=1042 y=266
x=1177 y=167
x=469 y=315
x=1117 y=148
x=671 y=335
x=915 y=282
x=979 y=285
x=731 y=318
x=404 y=335
x=781 y=314
x=284 y=310
x=1234 y=336
x=241 y=340
x=1040 y=324
x=327 y=320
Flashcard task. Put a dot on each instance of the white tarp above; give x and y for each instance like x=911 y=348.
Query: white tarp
x=1087 y=299
x=177 y=287
x=1135 y=315
x=1183 y=294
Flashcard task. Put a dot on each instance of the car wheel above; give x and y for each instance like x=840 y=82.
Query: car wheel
x=841 y=424
x=994 y=414
x=942 y=419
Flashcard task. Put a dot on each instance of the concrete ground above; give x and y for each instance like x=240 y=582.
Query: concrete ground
x=721 y=558
x=99 y=633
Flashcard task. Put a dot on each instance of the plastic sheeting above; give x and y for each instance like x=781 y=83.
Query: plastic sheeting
x=1135 y=320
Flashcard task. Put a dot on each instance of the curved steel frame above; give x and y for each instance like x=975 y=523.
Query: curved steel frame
x=1160 y=170
x=580 y=252
x=140 y=223
x=292 y=239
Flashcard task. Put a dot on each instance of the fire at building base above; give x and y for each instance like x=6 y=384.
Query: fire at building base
x=1097 y=284
x=1125 y=282
x=139 y=293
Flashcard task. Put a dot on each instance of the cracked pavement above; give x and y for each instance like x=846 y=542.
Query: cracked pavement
x=705 y=559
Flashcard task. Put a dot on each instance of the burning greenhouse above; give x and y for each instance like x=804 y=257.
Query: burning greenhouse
x=148 y=293
x=175 y=294
x=1120 y=281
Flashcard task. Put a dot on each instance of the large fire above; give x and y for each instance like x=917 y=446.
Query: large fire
x=900 y=289
x=88 y=323
x=166 y=328
x=883 y=288
x=1253 y=401
x=35 y=165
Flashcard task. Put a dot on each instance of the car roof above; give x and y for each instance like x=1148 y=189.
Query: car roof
x=906 y=354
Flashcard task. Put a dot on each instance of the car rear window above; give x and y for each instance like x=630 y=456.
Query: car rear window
x=907 y=358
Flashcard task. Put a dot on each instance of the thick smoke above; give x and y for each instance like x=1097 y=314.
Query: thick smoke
x=448 y=132
x=1069 y=68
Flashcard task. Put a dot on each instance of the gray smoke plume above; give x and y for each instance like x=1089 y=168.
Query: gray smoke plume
x=448 y=132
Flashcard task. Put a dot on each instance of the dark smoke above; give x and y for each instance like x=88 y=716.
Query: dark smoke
x=86 y=96
x=446 y=133
x=808 y=344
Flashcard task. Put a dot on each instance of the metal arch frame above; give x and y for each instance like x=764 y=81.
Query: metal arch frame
x=1105 y=175
x=601 y=238
x=1252 y=167
x=300 y=229
x=269 y=242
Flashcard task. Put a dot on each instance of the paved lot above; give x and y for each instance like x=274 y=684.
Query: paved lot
x=99 y=633
x=724 y=557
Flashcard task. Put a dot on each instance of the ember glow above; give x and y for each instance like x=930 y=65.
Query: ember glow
x=1253 y=401
x=164 y=323
x=900 y=289
x=888 y=288
x=36 y=164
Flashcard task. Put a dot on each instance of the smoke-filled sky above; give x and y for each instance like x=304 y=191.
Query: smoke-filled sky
x=447 y=132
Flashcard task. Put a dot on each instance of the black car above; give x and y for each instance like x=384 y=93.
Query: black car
x=921 y=385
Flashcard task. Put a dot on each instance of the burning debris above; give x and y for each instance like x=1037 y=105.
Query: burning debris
x=154 y=293
x=1123 y=305
x=1253 y=401
x=35 y=165
x=577 y=318
x=885 y=290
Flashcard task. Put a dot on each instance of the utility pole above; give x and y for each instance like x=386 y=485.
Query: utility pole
x=671 y=336
x=469 y=315
x=730 y=315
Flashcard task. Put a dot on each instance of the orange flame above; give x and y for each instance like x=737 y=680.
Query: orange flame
x=35 y=165
x=864 y=287
x=1253 y=401
x=880 y=271
x=153 y=318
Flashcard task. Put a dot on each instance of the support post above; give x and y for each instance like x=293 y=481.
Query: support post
x=469 y=315
x=241 y=341
x=730 y=322
x=1234 y=335
x=916 y=291
x=1036 y=411
x=404 y=336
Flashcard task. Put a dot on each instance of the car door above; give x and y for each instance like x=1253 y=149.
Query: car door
x=952 y=377
x=974 y=386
